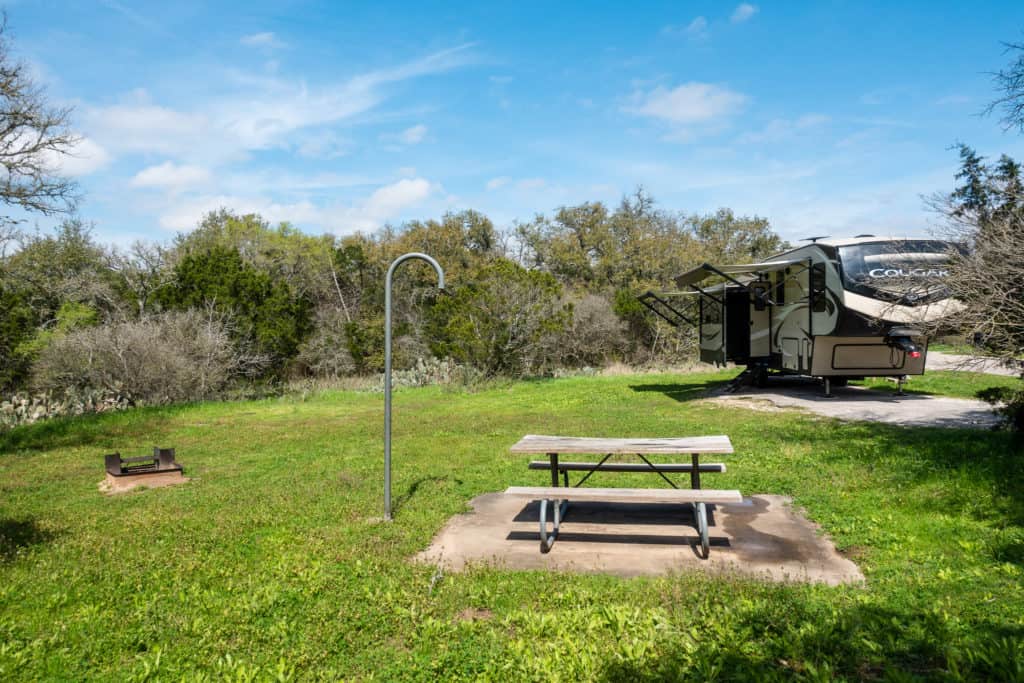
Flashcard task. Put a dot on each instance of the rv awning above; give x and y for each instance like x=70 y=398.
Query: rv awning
x=703 y=272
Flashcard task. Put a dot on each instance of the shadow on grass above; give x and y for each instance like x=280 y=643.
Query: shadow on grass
x=414 y=487
x=18 y=534
x=862 y=642
x=913 y=455
x=682 y=392
x=81 y=430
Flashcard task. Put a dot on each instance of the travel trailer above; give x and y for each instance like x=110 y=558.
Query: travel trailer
x=833 y=309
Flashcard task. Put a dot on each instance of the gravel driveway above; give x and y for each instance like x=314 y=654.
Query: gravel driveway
x=859 y=403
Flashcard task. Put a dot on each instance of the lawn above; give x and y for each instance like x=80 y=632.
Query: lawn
x=273 y=564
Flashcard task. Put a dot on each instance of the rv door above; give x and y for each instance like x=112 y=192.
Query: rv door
x=712 y=330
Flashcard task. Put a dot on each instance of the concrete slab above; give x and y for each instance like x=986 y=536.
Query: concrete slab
x=860 y=403
x=762 y=537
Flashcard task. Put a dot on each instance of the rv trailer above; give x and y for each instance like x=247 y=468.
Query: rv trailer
x=833 y=309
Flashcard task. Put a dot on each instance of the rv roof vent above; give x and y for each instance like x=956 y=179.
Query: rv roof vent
x=857 y=237
x=814 y=239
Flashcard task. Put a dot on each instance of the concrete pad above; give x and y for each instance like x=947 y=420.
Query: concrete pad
x=860 y=403
x=762 y=537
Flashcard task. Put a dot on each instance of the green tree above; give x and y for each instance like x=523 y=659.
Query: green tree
x=501 y=320
x=266 y=313
x=17 y=324
x=68 y=265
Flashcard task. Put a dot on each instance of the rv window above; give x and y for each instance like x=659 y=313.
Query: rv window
x=902 y=271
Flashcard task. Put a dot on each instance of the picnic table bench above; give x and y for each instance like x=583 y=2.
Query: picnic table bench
x=554 y=446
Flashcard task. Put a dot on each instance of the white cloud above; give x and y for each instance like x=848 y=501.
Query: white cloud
x=144 y=127
x=84 y=158
x=390 y=200
x=413 y=135
x=498 y=183
x=266 y=39
x=171 y=176
x=688 y=104
x=743 y=12
x=187 y=214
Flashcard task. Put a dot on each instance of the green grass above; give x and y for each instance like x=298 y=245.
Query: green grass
x=272 y=564
x=954 y=383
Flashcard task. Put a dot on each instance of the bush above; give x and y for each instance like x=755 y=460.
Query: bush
x=325 y=353
x=1008 y=403
x=168 y=358
x=434 y=371
x=594 y=336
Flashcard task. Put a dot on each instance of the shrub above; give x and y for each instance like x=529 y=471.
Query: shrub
x=161 y=359
x=1008 y=403
x=594 y=335
x=325 y=353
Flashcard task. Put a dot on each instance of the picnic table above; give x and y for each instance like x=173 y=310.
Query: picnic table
x=555 y=446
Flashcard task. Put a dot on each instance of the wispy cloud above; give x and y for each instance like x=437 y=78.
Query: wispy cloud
x=414 y=134
x=743 y=12
x=687 y=106
x=257 y=112
x=266 y=39
x=696 y=29
x=950 y=100
x=385 y=203
x=778 y=130
x=135 y=17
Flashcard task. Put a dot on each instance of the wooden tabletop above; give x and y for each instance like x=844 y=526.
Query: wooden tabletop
x=534 y=443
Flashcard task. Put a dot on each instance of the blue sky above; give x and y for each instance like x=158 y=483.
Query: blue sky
x=824 y=117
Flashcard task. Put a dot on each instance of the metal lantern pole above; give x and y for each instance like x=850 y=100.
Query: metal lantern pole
x=387 y=366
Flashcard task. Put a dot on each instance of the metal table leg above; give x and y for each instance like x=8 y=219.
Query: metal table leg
x=701 y=513
x=548 y=540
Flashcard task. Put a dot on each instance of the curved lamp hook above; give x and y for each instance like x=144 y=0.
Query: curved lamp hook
x=387 y=364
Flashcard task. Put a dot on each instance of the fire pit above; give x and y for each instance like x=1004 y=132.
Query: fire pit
x=152 y=471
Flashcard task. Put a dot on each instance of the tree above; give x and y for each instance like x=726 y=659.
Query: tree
x=33 y=136
x=68 y=265
x=501 y=320
x=1010 y=84
x=266 y=312
x=987 y=277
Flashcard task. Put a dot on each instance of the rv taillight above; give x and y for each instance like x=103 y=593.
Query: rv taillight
x=914 y=354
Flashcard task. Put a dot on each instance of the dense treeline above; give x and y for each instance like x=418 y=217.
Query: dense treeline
x=240 y=299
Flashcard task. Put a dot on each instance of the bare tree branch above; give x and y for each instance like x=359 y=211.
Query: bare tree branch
x=1010 y=82
x=33 y=137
